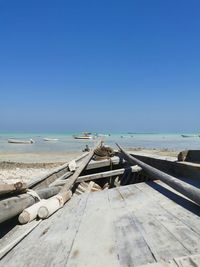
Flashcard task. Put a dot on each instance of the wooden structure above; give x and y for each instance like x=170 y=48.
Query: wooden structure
x=134 y=225
x=145 y=223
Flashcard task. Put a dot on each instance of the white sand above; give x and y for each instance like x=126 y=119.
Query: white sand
x=25 y=167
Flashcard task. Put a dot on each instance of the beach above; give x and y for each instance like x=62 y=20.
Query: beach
x=26 y=167
x=26 y=161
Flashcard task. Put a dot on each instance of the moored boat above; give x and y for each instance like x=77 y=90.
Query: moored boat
x=18 y=141
x=84 y=136
x=186 y=135
x=50 y=139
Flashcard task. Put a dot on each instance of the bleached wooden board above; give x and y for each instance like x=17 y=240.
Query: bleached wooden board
x=51 y=242
x=133 y=225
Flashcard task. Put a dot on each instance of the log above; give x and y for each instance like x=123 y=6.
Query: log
x=30 y=213
x=96 y=176
x=13 y=206
x=12 y=188
x=187 y=190
x=53 y=204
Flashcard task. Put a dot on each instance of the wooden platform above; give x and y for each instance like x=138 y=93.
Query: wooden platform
x=144 y=224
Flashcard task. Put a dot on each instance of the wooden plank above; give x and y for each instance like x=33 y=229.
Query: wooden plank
x=188 y=238
x=161 y=264
x=105 y=163
x=162 y=242
x=95 y=241
x=184 y=188
x=45 y=180
x=175 y=203
x=51 y=242
x=132 y=248
x=82 y=166
x=191 y=261
x=15 y=236
x=100 y=175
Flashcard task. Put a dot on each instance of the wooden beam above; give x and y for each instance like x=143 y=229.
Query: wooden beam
x=11 y=188
x=52 y=205
x=46 y=179
x=184 y=188
x=100 y=175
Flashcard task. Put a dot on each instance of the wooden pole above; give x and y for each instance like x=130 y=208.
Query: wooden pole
x=12 y=188
x=58 y=201
x=13 y=206
x=187 y=190
x=100 y=175
x=45 y=180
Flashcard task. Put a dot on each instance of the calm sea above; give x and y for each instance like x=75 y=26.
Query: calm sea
x=68 y=143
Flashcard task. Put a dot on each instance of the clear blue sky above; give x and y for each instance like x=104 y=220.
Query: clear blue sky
x=100 y=65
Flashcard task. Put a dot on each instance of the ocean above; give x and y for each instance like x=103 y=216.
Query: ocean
x=66 y=142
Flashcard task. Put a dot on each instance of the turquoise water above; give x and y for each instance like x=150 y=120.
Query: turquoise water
x=68 y=143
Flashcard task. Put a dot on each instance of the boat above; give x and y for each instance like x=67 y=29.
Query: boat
x=18 y=141
x=187 y=135
x=103 y=135
x=113 y=206
x=50 y=139
x=84 y=136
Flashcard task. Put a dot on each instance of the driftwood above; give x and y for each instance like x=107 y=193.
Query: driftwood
x=11 y=188
x=58 y=201
x=187 y=190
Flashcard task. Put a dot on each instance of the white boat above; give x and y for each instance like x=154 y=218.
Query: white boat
x=83 y=136
x=50 y=139
x=18 y=141
x=187 y=136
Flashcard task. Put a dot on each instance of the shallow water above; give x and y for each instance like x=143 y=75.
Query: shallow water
x=68 y=143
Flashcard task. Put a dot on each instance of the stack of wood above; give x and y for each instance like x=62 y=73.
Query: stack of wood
x=87 y=187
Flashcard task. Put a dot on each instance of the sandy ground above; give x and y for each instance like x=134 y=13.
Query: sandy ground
x=25 y=167
x=155 y=151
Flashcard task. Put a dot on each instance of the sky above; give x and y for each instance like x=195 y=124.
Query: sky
x=99 y=65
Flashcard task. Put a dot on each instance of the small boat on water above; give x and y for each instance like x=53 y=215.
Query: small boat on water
x=50 y=139
x=84 y=136
x=186 y=135
x=18 y=141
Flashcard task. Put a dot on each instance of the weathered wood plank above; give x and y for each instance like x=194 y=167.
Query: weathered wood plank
x=45 y=180
x=100 y=175
x=131 y=245
x=50 y=243
x=162 y=243
x=182 y=187
x=95 y=241
x=175 y=203
x=191 y=261
x=189 y=239
x=15 y=236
